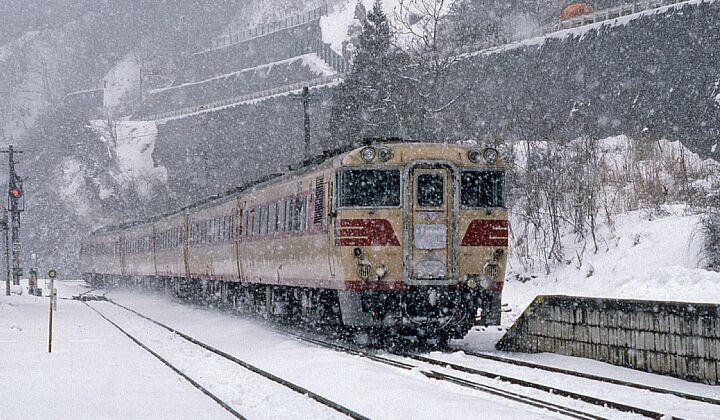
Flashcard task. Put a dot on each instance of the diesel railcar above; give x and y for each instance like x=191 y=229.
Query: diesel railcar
x=390 y=238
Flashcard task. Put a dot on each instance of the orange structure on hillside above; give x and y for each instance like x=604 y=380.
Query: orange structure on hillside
x=574 y=10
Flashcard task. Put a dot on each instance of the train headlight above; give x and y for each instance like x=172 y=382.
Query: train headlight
x=498 y=254
x=381 y=272
x=368 y=154
x=384 y=154
x=474 y=155
x=490 y=155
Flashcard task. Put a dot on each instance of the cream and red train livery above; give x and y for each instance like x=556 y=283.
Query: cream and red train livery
x=406 y=238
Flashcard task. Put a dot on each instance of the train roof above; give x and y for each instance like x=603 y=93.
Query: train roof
x=327 y=159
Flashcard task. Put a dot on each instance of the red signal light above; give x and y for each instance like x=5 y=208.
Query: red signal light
x=15 y=193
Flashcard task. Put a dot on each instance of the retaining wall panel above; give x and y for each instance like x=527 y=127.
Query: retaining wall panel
x=672 y=338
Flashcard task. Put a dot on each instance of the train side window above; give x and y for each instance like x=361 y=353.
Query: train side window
x=308 y=203
x=228 y=227
x=272 y=218
x=288 y=215
x=245 y=224
x=281 y=217
x=256 y=221
x=263 y=221
x=297 y=208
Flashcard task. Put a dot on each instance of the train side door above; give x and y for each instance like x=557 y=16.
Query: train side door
x=431 y=222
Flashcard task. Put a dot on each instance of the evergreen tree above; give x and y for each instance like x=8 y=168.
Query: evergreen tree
x=366 y=104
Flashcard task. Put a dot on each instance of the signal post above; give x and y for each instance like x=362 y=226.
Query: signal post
x=15 y=206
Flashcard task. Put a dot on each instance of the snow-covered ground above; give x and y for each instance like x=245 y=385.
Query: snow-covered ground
x=95 y=372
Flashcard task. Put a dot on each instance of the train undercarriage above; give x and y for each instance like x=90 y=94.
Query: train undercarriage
x=415 y=314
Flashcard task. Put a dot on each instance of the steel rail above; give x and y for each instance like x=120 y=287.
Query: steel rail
x=297 y=388
x=171 y=366
x=550 y=389
x=432 y=374
x=495 y=358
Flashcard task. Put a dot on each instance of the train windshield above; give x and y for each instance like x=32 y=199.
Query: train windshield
x=369 y=188
x=482 y=189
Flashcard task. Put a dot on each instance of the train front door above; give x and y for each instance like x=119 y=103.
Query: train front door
x=431 y=223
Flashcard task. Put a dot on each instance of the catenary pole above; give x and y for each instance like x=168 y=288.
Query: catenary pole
x=306 y=119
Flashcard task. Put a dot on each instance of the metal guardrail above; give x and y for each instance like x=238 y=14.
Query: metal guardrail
x=268 y=28
x=245 y=98
x=336 y=61
x=595 y=17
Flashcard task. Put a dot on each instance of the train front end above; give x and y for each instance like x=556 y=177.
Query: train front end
x=422 y=234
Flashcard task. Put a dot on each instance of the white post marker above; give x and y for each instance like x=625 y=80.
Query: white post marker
x=52 y=273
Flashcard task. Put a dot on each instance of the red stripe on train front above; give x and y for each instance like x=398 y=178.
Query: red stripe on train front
x=486 y=233
x=365 y=232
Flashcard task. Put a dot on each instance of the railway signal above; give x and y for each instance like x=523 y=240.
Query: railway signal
x=16 y=190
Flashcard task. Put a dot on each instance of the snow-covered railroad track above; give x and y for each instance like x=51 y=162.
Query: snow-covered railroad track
x=657 y=390
x=491 y=389
x=219 y=375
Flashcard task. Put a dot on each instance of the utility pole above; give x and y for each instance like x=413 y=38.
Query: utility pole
x=305 y=97
x=306 y=122
x=15 y=193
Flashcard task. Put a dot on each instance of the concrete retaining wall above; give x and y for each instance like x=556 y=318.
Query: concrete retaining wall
x=671 y=338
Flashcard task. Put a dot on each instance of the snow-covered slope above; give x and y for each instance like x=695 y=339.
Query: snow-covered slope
x=644 y=250
x=132 y=143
